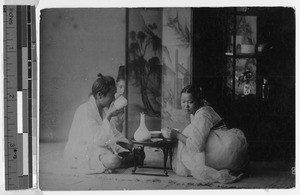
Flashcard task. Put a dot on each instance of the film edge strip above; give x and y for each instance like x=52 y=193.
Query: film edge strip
x=20 y=97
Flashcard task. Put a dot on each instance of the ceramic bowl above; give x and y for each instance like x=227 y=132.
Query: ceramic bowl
x=156 y=134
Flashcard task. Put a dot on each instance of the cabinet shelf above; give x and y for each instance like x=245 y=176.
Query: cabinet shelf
x=230 y=54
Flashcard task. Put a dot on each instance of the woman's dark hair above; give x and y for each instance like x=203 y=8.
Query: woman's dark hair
x=196 y=92
x=121 y=74
x=103 y=84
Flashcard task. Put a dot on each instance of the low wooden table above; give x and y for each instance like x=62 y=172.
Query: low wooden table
x=165 y=144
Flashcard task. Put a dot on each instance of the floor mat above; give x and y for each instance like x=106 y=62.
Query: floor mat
x=54 y=175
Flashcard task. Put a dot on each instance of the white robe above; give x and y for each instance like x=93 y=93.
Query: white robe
x=118 y=122
x=190 y=158
x=87 y=140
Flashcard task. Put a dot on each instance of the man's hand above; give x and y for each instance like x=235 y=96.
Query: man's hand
x=112 y=111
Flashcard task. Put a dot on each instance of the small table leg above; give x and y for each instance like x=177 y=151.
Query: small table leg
x=171 y=156
x=134 y=162
x=165 y=151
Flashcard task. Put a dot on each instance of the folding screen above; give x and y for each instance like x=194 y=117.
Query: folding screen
x=158 y=66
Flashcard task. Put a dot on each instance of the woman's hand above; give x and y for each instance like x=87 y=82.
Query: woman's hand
x=170 y=133
x=173 y=134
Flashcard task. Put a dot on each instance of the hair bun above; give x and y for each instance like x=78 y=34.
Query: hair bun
x=100 y=75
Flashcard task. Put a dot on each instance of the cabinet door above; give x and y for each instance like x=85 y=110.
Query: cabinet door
x=241 y=56
x=241 y=76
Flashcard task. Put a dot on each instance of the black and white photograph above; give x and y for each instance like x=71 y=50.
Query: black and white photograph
x=167 y=98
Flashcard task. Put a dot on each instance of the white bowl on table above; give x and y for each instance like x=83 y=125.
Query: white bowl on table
x=156 y=134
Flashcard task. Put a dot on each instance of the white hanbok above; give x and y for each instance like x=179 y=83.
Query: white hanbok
x=118 y=122
x=90 y=136
x=209 y=155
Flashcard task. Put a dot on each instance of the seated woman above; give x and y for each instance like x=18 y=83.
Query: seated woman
x=118 y=122
x=206 y=149
x=91 y=146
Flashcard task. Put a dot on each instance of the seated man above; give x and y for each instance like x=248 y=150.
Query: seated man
x=92 y=144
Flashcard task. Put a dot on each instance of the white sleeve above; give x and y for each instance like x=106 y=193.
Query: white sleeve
x=99 y=134
x=117 y=134
x=104 y=133
x=200 y=128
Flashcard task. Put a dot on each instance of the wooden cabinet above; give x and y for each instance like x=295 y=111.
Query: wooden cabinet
x=253 y=90
x=259 y=81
